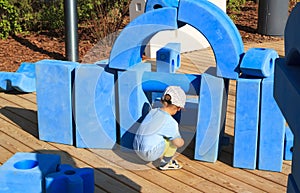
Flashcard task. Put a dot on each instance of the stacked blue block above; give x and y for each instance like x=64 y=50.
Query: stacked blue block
x=94 y=107
x=25 y=172
x=168 y=58
x=259 y=62
x=128 y=48
x=271 y=130
x=54 y=82
x=157 y=4
x=133 y=104
x=246 y=123
x=288 y=144
x=70 y=180
x=22 y=80
x=220 y=32
x=211 y=117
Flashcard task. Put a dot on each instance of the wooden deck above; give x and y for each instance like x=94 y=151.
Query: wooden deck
x=114 y=172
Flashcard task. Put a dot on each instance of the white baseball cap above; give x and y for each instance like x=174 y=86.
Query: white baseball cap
x=177 y=95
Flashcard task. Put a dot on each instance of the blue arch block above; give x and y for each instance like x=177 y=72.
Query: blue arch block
x=94 y=107
x=70 y=180
x=25 y=172
x=259 y=62
x=168 y=58
x=157 y=4
x=22 y=80
x=130 y=44
x=54 y=81
x=211 y=118
x=246 y=123
x=271 y=130
x=219 y=31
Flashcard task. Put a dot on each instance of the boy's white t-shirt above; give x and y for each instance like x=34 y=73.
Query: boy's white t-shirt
x=158 y=125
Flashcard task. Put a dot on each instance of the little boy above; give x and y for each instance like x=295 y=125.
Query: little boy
x=158 y=135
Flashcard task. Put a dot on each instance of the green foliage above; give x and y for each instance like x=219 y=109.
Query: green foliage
x=234 y=6
x=9 y=23
x=38 y=15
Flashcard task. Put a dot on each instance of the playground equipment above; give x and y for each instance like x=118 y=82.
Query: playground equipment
x=112 y=96
x=286 y=91
x=43 y=173
x=101 y=105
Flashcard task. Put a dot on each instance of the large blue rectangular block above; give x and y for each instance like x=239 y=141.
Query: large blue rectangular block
x=288 y=144
x=287 y=93
x=133 y=103
x=168 y=58
x=54 y=100
x=211 y=117
x=246 y=123
x=94 y=107
x=25 y=172
x=271 y=130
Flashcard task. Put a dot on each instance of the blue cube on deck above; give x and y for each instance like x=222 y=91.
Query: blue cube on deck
x=25 y=172
x=54 y=81
x=168 y=58
x=246 y=123
x=259 y=62
x=70 y=180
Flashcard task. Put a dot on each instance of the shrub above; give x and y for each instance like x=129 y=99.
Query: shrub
x=9 y=15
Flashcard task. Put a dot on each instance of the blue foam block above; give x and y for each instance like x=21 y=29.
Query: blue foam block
x=133 y=104
x=168 y=58
x=220 y=32
x=25 y=172
x=54 y=100
x=287 y=92
x=246 y=123
x=271 y=130
x=159 y=81
x=22 y=80
x=288 y=144
x=292 y=31
x=70 y=180
x=157 y=4
x=94 y=107
x=129 y=46
x=296 y=160
x=292 y=186
x=259 y=62
x=210 y=118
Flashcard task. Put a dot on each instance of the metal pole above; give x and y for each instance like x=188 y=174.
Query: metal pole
x=71 y=30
